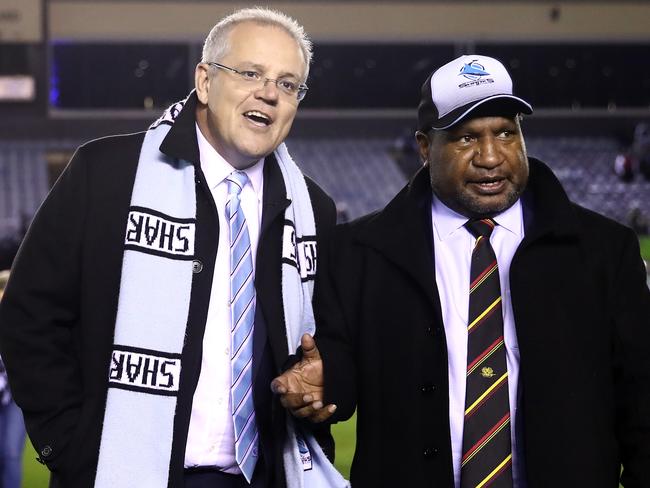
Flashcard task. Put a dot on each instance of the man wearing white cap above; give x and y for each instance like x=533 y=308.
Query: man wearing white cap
x=489 y=332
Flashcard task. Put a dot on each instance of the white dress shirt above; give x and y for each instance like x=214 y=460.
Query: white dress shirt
x=211 y=436
x=453 y=246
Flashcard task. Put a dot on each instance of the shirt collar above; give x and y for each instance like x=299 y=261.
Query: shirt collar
x=512 y=219
x=216 y=169
x=446 y=221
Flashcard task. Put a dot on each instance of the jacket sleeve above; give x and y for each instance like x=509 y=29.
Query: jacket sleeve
x=631 y=317
x=38 y=315
x=336 y=334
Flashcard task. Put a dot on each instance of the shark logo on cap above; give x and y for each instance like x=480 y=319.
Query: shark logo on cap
x=475 y=73
x=473 y=70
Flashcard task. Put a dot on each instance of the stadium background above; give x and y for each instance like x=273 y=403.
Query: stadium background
x=73 y=70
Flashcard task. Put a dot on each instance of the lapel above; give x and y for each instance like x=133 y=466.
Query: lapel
x=402 y=234
x=275 y=194
x=268 y=274
x=181 y=142
x=547 y=209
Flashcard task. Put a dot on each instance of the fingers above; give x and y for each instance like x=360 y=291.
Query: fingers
x=315 y=412
x=295 y=383
x=295 y=401
x=323 y=414
x=309 y=349
x=279 y=385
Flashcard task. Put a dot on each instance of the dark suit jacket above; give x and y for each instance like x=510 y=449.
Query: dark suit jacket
x=58 y=314
x=582 y=314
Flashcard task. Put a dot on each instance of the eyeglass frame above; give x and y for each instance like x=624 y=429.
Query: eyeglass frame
x=300 y=92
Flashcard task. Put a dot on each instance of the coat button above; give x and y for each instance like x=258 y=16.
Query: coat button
x=427 y=389
x=429 y=330
x=46 y=451
x=197 y=266
x=429 y=452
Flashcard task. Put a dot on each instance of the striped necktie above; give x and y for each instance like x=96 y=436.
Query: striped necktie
x=487 y=453
x=242 y=308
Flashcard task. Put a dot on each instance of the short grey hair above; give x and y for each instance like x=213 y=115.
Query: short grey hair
x=216 y=45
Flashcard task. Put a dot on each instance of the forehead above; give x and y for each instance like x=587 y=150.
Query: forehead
x=484 y=122
x=264 y=45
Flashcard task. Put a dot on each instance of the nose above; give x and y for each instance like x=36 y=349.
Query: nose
x=487 y=153
x=268 y=92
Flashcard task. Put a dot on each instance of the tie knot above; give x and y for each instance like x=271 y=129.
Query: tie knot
x=236 y=182
x=483 y=227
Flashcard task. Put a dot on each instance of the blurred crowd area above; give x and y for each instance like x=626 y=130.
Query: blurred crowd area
x=66 y=77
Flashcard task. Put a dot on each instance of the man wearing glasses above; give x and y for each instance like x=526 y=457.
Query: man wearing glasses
x=167 y=278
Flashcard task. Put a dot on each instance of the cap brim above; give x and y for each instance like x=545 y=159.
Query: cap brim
x=507 y=104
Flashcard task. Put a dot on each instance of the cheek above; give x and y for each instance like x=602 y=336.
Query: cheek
x=521 y=168
x=216 y=106
x=444 y=181
x=288 y=115
x=451 y=175
x=225 y=104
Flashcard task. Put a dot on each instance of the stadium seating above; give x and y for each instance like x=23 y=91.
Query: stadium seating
x=23 y=184
x=359 y=173
x=585 y=167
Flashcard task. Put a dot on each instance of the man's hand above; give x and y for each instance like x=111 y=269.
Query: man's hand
x=301 y=387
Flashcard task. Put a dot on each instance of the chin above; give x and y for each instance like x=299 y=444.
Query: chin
x=481 y=207
x=257 y=153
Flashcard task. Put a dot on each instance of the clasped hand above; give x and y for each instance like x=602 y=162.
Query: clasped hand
x=301 y=387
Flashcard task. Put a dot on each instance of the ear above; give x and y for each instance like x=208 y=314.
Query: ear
x=423 y=146
x=202 y=82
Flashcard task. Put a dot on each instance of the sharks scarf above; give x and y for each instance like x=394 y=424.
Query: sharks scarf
x=153 y=307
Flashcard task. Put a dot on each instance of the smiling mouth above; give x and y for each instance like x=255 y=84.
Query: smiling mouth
x=258 y=118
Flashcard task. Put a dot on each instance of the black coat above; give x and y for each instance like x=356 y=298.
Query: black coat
x=58 y=314
x=582 y=315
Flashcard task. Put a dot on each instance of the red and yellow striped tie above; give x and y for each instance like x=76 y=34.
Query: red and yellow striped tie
x=487 y=453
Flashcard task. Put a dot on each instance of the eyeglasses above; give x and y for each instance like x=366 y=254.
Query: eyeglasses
x=286 y=85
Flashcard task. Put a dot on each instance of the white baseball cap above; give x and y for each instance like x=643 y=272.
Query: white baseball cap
x=459 y=87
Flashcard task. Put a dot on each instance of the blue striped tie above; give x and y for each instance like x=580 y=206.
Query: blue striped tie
x=242 y=300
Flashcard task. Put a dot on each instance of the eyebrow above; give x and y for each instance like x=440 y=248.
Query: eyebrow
x=501 y=126
x=262 y=69
x=510 y=126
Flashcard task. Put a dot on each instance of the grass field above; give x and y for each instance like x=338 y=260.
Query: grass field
x=345 y=438
x=645 y=247
x=36 y=475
